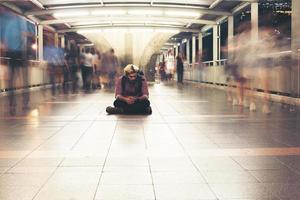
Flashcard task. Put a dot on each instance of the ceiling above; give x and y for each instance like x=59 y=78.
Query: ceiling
x=88 y=15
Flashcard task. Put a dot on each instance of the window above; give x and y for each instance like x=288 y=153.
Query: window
x=17 y=34
x=208 y=45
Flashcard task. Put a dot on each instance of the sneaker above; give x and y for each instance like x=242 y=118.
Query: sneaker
x=148 y=110
x=114 y=110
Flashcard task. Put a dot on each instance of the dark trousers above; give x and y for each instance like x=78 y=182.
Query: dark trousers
x=179 y=76
x=86 y=77
x=17 y=63
x=138 y=106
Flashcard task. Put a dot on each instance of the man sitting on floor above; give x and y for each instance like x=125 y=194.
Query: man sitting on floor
x=131 y=93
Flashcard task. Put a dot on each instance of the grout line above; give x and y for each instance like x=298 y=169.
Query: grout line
x=105 y=160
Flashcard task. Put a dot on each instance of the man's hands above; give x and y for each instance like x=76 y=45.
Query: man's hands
x=132 y=99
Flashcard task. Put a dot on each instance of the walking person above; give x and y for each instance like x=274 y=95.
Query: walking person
x=179 y=68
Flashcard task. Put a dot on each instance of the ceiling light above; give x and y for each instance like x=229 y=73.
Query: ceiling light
x=145 y=12
x=141 y=30
x=113 y=30
x=128 y=22
x=38 y=4
x=108 y=12
x=167 y=30
x=89 y=23
x=165 y=23
x=89 y=31
x=182 y=13
x=74 y=6
x=71 y=14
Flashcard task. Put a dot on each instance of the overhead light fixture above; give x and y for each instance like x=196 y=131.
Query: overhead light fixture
x=165 y=23
x=128 y=22
x=83 y=23
x=74 y=6
x=173 y=13
x=71 y=14
x=145 y=12
x=115 y=30
x=160 y=30
x=38 y=4
x=141 y=30
x=108 y=12
x=89 y=31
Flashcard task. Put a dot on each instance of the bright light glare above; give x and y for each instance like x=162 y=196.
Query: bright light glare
x=165 y=23
x=71 y=14
x=89 y=23
x=108 y=12
x=167 y=31
x=34 y=46
x=141 y=30
x=115 y=30
x=182 y=13
x=128 y=22
x=34 y=113
x=89 y=31
x=145 y=12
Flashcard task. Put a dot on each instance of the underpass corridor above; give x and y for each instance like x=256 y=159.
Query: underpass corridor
x=195 y=145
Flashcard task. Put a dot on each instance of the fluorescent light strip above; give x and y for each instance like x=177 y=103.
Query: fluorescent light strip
x=141 y=30
x=181 y=13
x=108 y=12
x=38 y=4
x=145 y=12
x=128 y=22
x=89 y=31
x=89 y=23
x=71 y=14
x=117 y=29
x=74 y=6
x=167 y=31
x=165 y=23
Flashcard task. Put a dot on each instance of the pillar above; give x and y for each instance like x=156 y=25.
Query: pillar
x=40 y=43
x=193 y=49
x=215 y=44
x=254 y=21
x=230 y=35
x=295 y=48
x=56 y=39
x=188 y=51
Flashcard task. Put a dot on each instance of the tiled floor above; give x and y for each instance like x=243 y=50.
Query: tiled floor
x=195 y=146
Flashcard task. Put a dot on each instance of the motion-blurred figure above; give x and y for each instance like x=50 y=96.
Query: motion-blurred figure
x=51 y=56
x=72 y=62
x=179 y=68
x=14 y=34
x=87 y=69
x=110 y=66
x=97 y=70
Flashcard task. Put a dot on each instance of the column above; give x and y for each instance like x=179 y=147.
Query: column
x=230 y=35
x=62 y=41
x=254 y=21
x=176 y=50
x=193 y=49
x=215 y=44
x=56 y=39
x=188 y=51
x=295 y=48
x=40 y=43
x=200 y=36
